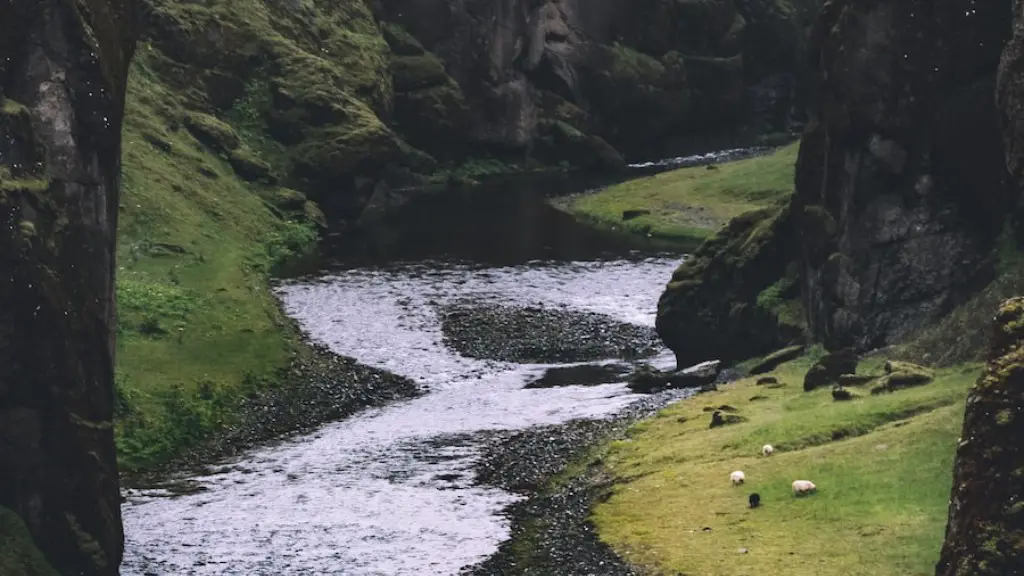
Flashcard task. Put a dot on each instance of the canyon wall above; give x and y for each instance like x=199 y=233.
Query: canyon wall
x=63 y=71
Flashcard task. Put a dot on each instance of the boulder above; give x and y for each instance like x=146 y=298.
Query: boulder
x=830 y=367
x=211 y=131
x=775 y=359
x=899 y=375
x=986 y=517
x=649 y=380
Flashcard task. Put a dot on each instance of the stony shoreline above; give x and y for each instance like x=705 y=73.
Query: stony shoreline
x=554 y=467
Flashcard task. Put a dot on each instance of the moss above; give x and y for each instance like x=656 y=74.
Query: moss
x=249 y=166
x=629 y=65
x=415 y=72
x=211 y=131
x=18 y=553
x=87 y=544
x=33 y=185
x=9 y=107
x=400 y=41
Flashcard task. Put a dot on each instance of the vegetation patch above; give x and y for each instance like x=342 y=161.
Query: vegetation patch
x=882 y=466
x=198 y=328
x=690 y=204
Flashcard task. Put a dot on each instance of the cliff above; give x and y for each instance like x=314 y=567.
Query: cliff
x=342 y=99
x=62 y=82
x=901 y=192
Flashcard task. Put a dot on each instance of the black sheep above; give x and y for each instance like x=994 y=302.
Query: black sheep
x=755 y=500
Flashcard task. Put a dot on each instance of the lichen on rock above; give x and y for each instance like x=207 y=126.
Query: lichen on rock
x=985 y=533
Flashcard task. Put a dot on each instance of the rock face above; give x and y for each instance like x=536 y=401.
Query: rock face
x=635 y=74
x=985 y=534
x=900 y=181
x=341 y=96
x=727 y=299
x=63 y=69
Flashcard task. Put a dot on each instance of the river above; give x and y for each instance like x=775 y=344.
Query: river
x=391 y=491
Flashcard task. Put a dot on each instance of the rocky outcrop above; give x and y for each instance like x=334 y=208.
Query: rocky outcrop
x=643 y=76
x=985 y=533
x=734 y=298
x=63 y=72
x=900 y=178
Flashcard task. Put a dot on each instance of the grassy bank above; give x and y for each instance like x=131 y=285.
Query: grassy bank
x=882 y=464
x=18 y=554
x=688 y=205
x=197 y=324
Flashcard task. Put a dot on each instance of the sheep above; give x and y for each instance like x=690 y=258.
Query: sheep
x=737 y=478
x=755 y=500
x=767 y=450
x=803 y=487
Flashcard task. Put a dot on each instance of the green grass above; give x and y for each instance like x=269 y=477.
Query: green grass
x=197 y=323
x=883 y=489
x=690 y=204
x=18 y=554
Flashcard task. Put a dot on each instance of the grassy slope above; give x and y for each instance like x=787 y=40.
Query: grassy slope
x=882 y=496
x=196 y=318
x=690 y=204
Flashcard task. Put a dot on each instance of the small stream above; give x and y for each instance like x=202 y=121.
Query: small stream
x=391 y=491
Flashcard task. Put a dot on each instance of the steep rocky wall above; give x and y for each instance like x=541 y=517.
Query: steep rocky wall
x=340 y=98
x=985 y=533
x=901 y=177
x=63 y=69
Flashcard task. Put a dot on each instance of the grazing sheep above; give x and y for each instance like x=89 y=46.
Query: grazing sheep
x=755 y=500
x=767 y=450
x=737 y=478
x=803 y=487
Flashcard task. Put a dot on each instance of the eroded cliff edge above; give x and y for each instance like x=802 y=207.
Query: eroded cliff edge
x=901 y=191
x=62 y=83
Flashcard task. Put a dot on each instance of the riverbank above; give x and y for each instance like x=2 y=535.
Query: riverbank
x=557 y=470
x=688 y=205
x=882 y=465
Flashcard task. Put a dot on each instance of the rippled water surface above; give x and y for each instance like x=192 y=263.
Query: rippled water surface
x=389 y=491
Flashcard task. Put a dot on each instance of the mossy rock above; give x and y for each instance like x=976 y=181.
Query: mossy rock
x=856 y=379
x=560 y=142
x=709 y=308
x=830 y=367
x=416 y=72
x=314 y=214
x=249 y=166
x=400 y=41
x=899 y=375
x=422 y=115
x=211 y=131
x=287 y=199
x=777 y=358
x=18 y=553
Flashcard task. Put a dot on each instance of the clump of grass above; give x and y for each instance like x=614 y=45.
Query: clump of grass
x=882 y=464
x=690 y=204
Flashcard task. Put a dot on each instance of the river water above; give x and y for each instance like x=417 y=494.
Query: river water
x=391 y=491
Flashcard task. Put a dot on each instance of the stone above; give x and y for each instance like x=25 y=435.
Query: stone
x=631 y=214
x=840 y=395
x=899 y=375
x=985 y=531
x=249 y=166
x=777 y=358
x=846 y=380
x=64 y=70
x=830 y=367
x=767 y=380
x=211 y=131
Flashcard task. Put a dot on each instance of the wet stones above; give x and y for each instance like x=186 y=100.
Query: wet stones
x=540 y=335
x=702 y=376
x=583 y=375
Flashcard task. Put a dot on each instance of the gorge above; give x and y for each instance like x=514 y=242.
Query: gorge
x=239 y=132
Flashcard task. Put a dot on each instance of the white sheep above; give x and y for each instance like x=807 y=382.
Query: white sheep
x=767 y=450
x=737 y=478
x=803 y=487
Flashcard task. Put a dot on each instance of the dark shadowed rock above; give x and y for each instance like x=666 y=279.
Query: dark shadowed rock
x=856 y=379
x=830 y=367
x=63 y=72
x=901 y=184
x=767 y=380
x=839 y=394
x=648 y=380
x=985 y=533
x=711 y=309
x=583 y=375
